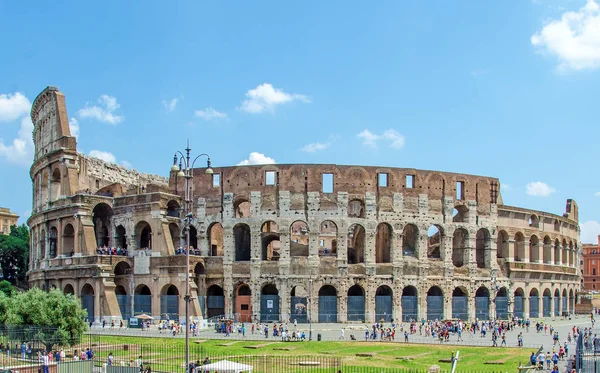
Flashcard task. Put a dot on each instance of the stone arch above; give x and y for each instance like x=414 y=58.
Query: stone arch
x=460 y=247
x=534 y=303
x=199 y=269
x=546 y=303
x=483 y=248
x=299 y=236
x=482 y=303
x=410 y=303
x=269 y=303
x=435 y=235
x=356 y=244
x=356 y=303
x=547 y=250
x=571 y=301
x=565 y=301
x=410 y=238
x=299 y=304
x=383 y=243
x=243 y=302
x=565 y=252
x=519 y=247
x=435 y=303
x=556 y=225
x=519 y=303
x=143 y=234
x=556 y=302
x=44 y=194
x=175 y=235
x=121 y=237
x=68 y=240
x=102 y=216
x=534 y=221
x=502 y=245
x=534 y=249
x=460 y=303
x=174 y=209
x=69 y=289
x=328 y=309
x=87 y=300
x=42 y=240
x=460 y=214
x=328 y=238
x=215 y=301
x=169 y=302
x=122 y=268
x=193 y=244
x=502 y=304
x=242 y=240
x=557 y=252
x=52 y=241
x=270 y=241
x=242 y=208
x=215 y=239
x=356 y=208
x=56 y=185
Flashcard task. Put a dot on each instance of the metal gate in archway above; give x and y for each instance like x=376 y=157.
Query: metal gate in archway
x=215 y=306
x=142 y=304
x=435 y=307
x=534 y=306
x=87 y=303
x=547 y=301
x=564 y=302
x=328 y=308
x=299 y=309
x=556 y=306
x=410 y=308
x=482 y=308
x=502 y=308
x=383 y=308
x=169 y=305
x=460 y=307
x=269 y=308
x=124 y=302
x=356 y=308
x=518 y=309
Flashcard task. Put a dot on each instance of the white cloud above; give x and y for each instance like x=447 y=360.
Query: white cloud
x=256 y=158
x=506 y=187
x=104 y=111
x=209 y=114
x=539 y=189
x=574 y=38
x=597 y=194
x=395 y=139
x=74 y=127
x=20 y=151
x=105 y=156
x=170 y=105
x=316 y=147
x=126 y=164
x=590 y=231
x=264 y=98
x=13 y=106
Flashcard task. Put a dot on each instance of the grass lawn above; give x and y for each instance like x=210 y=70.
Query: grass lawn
x=159 y=351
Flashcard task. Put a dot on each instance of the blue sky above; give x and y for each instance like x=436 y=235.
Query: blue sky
x=497 y=88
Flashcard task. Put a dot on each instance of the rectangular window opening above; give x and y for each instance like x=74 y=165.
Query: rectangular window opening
x=245 y=307
x=410 y=181
x=216 y=180
x=321 y=243
x=383 y=180
x=327 y=183
x=270 y=178
x=460 y=190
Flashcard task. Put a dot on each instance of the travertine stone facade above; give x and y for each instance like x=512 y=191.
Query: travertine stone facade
x=7 y=220
x=283 y=242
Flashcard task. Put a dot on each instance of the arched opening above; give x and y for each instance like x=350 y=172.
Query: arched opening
x=547 y=257
x=571 y=254
x=356 y=209
x=269 y=304
x=483 y=249
x=519 y=247
x=124 y=301
x=175 y=235
x=243 y=303
x=299 y=239
x=101 y=216
x=215 y=239
x=556 y=302
x=299 y=304
x=328 y=304
x=121 y=237
x=410 y=304
x=565 y=253
x=482 y=303
x=534 y=249
x=571 y=301
x=87 y=301
x=215 y=302
x=143 y=233
x=460 y=251
x=383 y=243
x=356 y=304
x=52 y=241
x=534 y=304
x=502 y=304
x=55 y=185
x=242 y=209
x=434 y=242
x=122 y=269
x=384 y=304
x=460 y=214
x=502 y=245
x=193 y=244
x=69 y=289
x=169 y=303
x=557 y=252
x=460 y=303
x=44 y=198
x=241 y=235
x=328 y=238
x=68 y=244
x=356 y=244
x=43 y=243
x=435 y=303
x=519 y=305
x=410 y=236
x=556 y=225
x=173 y=209
x=534 y=221
x=565 y=299
x=142 y=300
x=547 y=303
x=271 y=245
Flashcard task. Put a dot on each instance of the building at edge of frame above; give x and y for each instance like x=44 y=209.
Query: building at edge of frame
x=286 y=242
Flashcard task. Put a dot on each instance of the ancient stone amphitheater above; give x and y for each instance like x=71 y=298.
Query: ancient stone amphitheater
x=325 y=243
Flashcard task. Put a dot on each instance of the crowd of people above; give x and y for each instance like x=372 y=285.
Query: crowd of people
x=183 y=250
x=105 y=250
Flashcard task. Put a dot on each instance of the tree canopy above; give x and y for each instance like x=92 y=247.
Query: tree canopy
x=14 y=254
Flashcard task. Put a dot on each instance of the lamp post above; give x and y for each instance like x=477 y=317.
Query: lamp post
x=310 y=309
x=187 y=172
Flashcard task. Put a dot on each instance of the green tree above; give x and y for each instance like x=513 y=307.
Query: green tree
x=6 y=288
x=14 y=254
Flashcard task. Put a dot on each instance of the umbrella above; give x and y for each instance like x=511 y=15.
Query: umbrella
x=144 y=316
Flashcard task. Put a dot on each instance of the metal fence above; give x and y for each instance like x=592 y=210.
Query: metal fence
x=587 y=354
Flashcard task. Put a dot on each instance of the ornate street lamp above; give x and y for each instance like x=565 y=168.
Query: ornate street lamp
x=187 y=172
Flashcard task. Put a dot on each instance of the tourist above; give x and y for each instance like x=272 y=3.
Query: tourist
x=110 y=360
x=45 y=362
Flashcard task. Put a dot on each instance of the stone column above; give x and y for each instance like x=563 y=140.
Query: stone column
x=342 y=304
x=493 y=305
x=203 y=244
x=448 y=305
x=525 y=305
x=59 y=238
x=284 y=299
x=511 y=250
x=370 y=316
x=550 y=248
x=255 y=244
x=397 y=302
x=48 y=196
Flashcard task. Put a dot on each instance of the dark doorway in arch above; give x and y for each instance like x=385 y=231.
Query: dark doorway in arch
x=121 y=237
x=199 y=269
x=124 y=302
x=356 y=244
x=356 y=304
x=241 y=235
x=215 y=239
x=243 y=303
x=87 y=301
x=384 y=305
x=69 y=290
x=142 y=300
x=534 y=304
x=173 y=209
x=435 y=303
x=143 y=232
x=383 y=243
x=460 y=304
x=175 y=235
x=193 y=238
x=483 y=248
x=101 y=216
x=299 y=304
x=482 y=303
x=502 y=304
x=215 y=301
x=518 y=307
x=68 y=246
x=52 y=241
x=169 y=303
x=328 y=312
x=546 y=302
x=410 y=304
x=269 y=304
x=556 y=303
x=270 y=247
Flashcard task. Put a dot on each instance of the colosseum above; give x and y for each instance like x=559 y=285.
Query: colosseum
x=318 y=243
